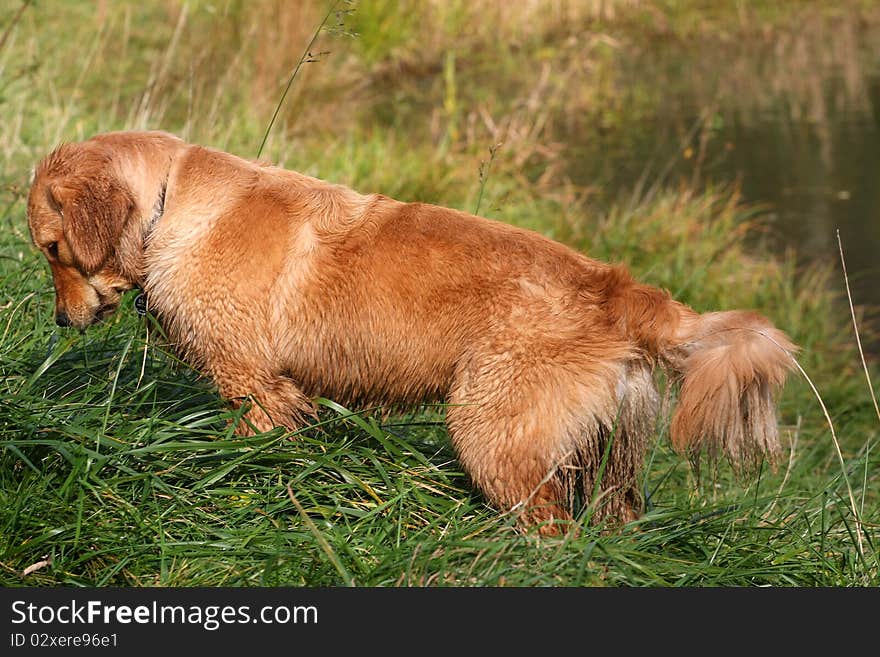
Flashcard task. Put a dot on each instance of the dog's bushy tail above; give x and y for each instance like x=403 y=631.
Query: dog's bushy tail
x=729 y=366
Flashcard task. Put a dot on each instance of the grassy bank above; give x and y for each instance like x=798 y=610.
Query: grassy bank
x=116 y=465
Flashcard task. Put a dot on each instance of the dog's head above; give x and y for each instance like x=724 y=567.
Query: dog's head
x=85 y=213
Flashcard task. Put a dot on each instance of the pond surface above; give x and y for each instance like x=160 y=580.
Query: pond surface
x=795 y=124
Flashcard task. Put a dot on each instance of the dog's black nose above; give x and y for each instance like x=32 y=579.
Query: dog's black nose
x=62 y=319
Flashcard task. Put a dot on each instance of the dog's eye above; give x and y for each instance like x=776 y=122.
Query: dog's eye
x=53 y=249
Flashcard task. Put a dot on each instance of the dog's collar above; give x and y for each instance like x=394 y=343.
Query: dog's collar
x=140 y=302
x=158 y=211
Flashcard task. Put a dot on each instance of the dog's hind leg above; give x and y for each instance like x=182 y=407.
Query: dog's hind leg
x=617 y=478
x=511 y=460
x=535 y=439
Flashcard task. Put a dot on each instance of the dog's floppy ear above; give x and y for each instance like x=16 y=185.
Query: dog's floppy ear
x=93 y=210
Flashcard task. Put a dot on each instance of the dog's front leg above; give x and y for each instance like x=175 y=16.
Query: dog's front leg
x=274 y=400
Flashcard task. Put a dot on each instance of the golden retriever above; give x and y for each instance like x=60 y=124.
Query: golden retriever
x=282 y=287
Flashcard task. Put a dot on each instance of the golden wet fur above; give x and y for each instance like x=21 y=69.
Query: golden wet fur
x=282 y=287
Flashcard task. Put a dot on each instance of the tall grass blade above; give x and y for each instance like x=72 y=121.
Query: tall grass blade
x=305 y=57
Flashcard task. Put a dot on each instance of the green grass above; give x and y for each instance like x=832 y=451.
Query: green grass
x=116 y=462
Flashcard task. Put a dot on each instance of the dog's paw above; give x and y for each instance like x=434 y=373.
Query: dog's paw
x=277 y=403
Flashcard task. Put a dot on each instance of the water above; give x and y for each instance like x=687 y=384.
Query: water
x=796 y=125
x=817 y=185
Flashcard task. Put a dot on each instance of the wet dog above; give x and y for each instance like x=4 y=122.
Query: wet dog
x=282 y=287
